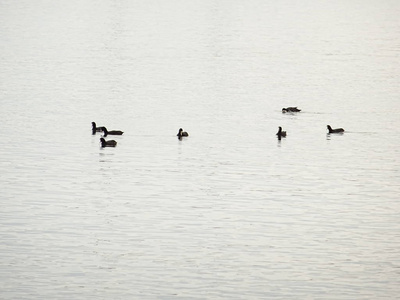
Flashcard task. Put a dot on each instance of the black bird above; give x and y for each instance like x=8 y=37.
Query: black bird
x=281 y=133
x=290 y=109
x=337 y=130
x=110 y=143
x=95 y=129
x=182 y=133
x=112 y=132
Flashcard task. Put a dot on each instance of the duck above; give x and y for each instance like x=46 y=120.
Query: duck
x=111 y=132
x=336 y=130
x=290 y=109
x=182 y=133
x=96 y=129
x=281 y=133
x=109 y=143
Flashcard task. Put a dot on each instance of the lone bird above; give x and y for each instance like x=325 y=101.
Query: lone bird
x=290 y=109
x=110 y=143
x=96 y=129
x=337 y=130
x=281 y=133
x=182 y=133
x=112 y=132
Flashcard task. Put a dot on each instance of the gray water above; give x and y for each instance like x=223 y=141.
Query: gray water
x=230 y=212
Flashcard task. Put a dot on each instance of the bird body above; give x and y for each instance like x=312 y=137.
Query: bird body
x=111 y=132
x=182 y=133
x=281 y=133
x=336 y=130
x=109 y=143
x=290 y=109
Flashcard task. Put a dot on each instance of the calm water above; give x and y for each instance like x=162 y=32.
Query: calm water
x=229 y=212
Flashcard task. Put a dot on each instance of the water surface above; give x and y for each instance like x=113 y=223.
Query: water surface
x=229 y=212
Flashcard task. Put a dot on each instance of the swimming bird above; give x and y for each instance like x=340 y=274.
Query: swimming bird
x=281 y=133
x=290 y=109
x=111 y=132
x=182 y=133
x=94 y=128
x=337 y=130
x=109 y=143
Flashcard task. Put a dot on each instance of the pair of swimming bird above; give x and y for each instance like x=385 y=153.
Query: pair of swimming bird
x=282 y=133
x=104 y=143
